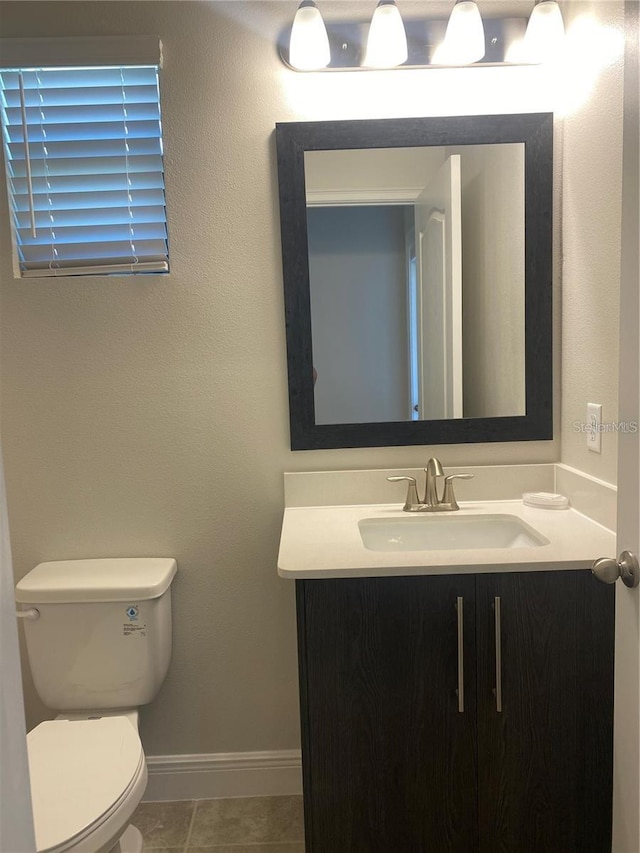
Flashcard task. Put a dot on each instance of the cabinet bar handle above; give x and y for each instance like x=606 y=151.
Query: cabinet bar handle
x=460 y=690
x=498 y=623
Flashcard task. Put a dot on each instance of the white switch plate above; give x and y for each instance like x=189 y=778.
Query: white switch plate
x=594 y=421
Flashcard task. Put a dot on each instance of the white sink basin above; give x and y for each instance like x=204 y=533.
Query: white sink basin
x=448 y=533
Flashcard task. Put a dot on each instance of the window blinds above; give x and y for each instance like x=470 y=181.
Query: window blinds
x=83 y=154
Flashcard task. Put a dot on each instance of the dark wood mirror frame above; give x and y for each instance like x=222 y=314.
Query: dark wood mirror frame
x=535 y=130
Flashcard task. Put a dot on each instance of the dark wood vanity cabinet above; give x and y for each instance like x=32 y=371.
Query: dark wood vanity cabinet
x=392 y=764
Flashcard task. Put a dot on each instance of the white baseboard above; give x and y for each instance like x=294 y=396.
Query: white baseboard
x=225 y=774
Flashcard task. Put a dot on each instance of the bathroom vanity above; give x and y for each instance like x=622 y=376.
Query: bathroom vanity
x=452 y=699
x=457 y=712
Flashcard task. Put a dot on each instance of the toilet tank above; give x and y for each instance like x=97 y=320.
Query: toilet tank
x=102 y=638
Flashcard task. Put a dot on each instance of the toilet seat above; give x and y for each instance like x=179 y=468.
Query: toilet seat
x=87 y=777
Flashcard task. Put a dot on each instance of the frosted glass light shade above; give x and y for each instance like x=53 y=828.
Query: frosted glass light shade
x=545 y=32
x=309 y=44
x=464 y=41
x=387 y=40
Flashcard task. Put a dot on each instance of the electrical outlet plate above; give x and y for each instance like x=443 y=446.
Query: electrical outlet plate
x=594 y=422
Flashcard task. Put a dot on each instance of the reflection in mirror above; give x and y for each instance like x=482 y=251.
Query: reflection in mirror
x=417 y=259
x=417 y=269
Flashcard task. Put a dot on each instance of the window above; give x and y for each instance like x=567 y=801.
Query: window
x=84 y=164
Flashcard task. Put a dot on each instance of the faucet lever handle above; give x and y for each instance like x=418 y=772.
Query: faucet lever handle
x=448 y=497
x=411 y=500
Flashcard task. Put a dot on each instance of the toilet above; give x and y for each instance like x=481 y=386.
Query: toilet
x=98 y=636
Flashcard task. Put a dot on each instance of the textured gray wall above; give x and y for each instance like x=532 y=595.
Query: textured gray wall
x=591 y=222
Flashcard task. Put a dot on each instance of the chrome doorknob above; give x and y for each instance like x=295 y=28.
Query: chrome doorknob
x=608 y=569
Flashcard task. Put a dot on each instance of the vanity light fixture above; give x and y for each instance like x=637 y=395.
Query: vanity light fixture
x=545 y=32
x=309 y=45
x=464 y=41
x=387 y=40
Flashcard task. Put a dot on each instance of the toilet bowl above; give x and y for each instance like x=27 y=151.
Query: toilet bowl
x=87 y=778
x=98 y=636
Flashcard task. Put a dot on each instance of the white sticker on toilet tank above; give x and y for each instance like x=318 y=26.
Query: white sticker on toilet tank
x=132 y=629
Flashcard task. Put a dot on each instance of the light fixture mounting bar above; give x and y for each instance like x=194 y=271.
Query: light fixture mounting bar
x=348 y=41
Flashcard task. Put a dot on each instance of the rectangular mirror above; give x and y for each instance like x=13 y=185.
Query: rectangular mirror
x=417 y=272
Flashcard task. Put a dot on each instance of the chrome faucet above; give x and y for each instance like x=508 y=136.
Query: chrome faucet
x=431 y=502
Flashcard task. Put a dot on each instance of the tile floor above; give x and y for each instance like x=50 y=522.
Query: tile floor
x=247 y=825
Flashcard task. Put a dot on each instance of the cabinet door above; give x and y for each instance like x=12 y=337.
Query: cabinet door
x=389 y=761
x=545 y=759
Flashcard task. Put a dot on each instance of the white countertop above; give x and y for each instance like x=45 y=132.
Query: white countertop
x=325 y=542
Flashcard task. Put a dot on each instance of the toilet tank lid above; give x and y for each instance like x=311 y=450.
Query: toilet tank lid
x=118 y=579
